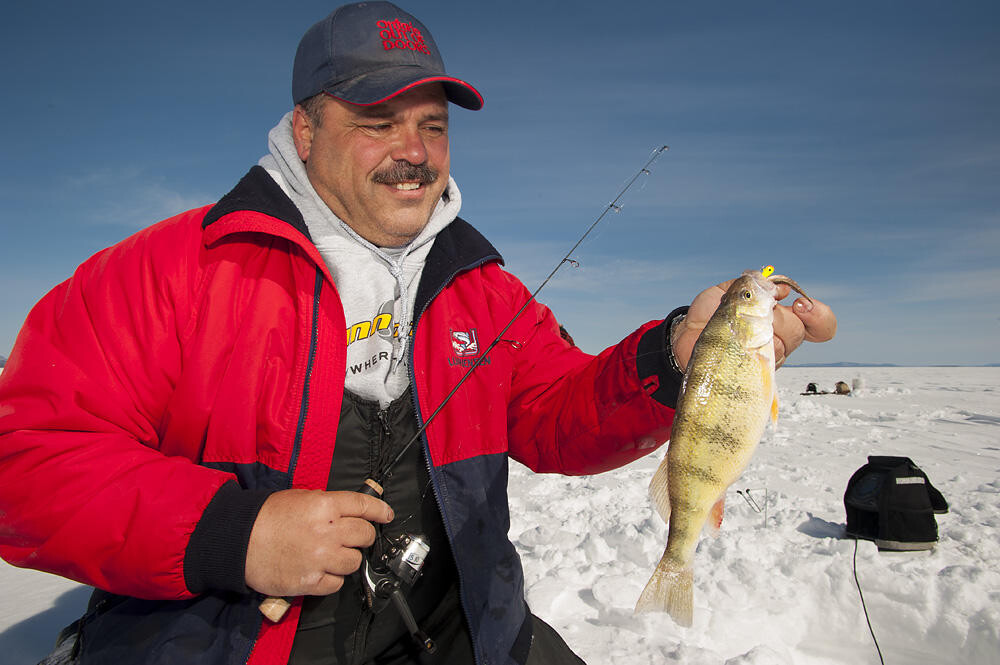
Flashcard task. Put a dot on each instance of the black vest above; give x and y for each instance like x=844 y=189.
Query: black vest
x=339 y=629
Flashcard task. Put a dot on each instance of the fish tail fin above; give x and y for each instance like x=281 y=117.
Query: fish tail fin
x=670 y=590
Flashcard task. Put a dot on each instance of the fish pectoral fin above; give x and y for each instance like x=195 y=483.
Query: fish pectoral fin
x=659 y=491
x=714 y=522
x=766 y=359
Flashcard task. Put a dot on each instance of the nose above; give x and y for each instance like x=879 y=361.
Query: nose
x=409 y=146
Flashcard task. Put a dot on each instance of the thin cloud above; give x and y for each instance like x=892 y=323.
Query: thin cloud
x=928 y=286
x=128 y=197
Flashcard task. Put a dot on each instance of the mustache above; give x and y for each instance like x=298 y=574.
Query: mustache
x=403 y=171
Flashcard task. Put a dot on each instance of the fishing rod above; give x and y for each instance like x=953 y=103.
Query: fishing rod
x=403 y=561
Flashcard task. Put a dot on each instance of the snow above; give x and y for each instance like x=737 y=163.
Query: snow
x=773 y=593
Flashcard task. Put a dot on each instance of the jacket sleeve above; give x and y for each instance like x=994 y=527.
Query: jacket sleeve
x=84 y=491
x=575 y=413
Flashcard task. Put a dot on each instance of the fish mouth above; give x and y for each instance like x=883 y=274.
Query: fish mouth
x=762 y=282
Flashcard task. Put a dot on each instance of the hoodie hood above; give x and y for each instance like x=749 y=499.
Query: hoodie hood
x=377 y=285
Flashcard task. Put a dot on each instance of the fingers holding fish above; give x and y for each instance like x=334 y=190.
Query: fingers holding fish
x=789 y=333
x=701 y=310
x=704 y=306
x=819 y=320
x=805 y=319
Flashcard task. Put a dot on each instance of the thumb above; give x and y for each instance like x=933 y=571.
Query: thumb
x=819 y=320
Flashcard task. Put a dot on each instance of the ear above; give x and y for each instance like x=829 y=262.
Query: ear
x=302 y=133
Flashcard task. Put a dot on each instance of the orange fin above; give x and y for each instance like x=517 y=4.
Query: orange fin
x=767 y=380
x=715 y=516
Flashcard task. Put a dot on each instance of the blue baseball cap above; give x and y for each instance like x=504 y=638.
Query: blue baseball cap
x=369 y=52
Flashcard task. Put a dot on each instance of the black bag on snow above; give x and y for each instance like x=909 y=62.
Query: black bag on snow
x=892 y=502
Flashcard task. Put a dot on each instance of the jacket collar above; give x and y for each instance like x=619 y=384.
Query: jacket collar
x=257 y=192
x=459 y=246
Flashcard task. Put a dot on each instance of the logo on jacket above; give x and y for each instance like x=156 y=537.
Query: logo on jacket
x=465 y=342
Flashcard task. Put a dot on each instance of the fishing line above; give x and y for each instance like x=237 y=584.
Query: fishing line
x=863 y=606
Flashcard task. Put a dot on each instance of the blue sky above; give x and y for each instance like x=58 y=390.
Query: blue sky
x=855 y=145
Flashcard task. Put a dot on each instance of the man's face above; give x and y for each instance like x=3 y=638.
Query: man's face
x=375 y=166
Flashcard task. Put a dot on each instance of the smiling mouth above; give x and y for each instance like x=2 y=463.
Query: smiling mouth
x=405 y=177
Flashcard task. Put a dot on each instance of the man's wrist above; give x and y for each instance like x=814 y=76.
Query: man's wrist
x=655 y=363
x=215 y=557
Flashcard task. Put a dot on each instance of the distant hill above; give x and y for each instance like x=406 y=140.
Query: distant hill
x=843 y=364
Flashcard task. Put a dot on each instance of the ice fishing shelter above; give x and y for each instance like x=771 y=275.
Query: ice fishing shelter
x=891 y=501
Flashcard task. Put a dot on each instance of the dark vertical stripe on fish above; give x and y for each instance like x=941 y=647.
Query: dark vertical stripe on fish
x=696 y=472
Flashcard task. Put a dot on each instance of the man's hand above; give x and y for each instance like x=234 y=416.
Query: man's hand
x=802 y=321
x=304 y=542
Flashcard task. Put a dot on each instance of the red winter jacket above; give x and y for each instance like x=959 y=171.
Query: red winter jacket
x=156 y=398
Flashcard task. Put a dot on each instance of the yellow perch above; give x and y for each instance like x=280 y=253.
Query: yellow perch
x=726 y=398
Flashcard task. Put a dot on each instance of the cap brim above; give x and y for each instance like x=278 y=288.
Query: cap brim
x=381 y=86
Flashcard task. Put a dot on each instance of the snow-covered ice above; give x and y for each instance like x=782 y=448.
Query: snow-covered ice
x=774 y=593
x=784 y=591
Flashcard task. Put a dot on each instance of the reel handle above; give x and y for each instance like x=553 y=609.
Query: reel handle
x=419 y=636
x=274 y=608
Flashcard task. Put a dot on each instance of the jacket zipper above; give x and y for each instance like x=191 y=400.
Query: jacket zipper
x=304 y=404
x=384 y=434
x=367 y=617
x=260 y=626
x=427 y=450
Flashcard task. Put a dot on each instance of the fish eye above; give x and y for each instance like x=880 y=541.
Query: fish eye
x=747 y=295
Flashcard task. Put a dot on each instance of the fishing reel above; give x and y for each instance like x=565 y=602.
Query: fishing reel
x=398 y=565
x=385 y=573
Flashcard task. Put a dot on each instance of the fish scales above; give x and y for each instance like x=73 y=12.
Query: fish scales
x=726 y=399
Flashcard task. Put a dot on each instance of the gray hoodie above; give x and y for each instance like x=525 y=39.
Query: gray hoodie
x=377 y=285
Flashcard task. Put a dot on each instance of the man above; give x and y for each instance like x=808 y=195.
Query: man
x=185 y=424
